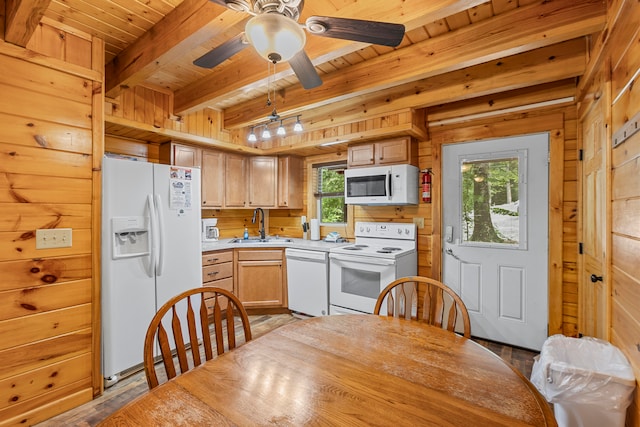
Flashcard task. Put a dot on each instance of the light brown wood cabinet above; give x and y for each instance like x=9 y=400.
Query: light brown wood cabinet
x=235 y=181
x=263 y=181
x=213 y=171
x=388 y=152
x=217 y=270
x=260 y=278
x=180 y=155
x=290 y=179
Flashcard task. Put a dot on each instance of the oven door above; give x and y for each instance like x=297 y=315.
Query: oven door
x=356 y=281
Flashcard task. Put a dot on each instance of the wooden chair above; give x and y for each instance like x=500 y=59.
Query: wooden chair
x=426 y=300
x=211 y=304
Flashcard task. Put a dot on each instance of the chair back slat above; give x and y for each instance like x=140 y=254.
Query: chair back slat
x=231 y=327
x=193 y=333
x=204 y=326
x=165 y=351
x=425 y=300
x=178 y=340
x=203 y=321
x=217 y=324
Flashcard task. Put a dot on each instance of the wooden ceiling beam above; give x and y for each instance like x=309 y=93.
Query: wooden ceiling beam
x=248 y=71
x=189 y=25
x=541 y=66
x=22 y=18
x=513 y=32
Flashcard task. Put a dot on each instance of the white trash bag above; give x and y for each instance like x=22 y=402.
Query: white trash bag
x=589 y=381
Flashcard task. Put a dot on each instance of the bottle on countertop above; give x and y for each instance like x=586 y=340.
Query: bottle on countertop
x=246 y=233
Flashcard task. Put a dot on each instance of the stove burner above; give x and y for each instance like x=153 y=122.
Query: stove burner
x=384 y=251
x=361 y=246
x=388 y=249
x=352 y=248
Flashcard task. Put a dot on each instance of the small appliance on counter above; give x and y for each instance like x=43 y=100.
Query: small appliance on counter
x=334 y=237
x=210 y=233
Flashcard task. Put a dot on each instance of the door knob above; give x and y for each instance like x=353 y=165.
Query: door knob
x=595 y=278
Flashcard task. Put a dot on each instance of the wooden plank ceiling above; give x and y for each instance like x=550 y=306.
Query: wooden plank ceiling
x=155 y=42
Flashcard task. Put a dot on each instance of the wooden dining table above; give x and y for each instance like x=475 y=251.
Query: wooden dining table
x=352 y=370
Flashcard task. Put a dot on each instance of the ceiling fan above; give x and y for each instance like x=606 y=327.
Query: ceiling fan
x=277 y=36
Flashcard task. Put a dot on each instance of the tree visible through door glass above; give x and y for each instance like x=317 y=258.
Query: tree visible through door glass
x=490 y=201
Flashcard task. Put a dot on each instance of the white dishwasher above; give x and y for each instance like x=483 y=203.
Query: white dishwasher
x=308 y=281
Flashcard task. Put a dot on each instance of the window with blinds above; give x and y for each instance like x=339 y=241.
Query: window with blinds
x=329 y=193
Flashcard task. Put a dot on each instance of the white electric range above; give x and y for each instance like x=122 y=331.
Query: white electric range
x=382 y=252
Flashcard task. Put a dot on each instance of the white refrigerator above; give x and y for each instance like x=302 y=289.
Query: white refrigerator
x=151 y=251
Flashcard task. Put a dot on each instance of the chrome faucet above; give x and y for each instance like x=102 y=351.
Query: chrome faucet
x=253 y=220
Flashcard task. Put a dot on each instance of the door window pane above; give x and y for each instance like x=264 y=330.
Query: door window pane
x=491 y=208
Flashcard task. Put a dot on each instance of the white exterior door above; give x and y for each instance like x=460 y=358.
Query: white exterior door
x=495 y=235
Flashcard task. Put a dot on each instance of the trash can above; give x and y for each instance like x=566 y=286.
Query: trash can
x=588 y=380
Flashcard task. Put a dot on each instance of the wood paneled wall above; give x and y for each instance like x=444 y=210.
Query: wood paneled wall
x=50 y=150
x=153 y=106
x=623 y=53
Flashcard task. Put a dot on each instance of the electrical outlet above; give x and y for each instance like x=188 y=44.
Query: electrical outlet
x=419 y=222
x=53 y=238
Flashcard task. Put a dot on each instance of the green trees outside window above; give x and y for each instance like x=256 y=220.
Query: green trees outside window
x=330 y=194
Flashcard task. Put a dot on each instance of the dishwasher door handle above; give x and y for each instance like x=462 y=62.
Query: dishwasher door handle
x=297 y=258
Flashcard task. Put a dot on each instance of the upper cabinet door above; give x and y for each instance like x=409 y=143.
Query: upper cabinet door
x=186 y=156
x=263 y=181
x=290 y=178
x=212 y=179
x=361 y=155
x=392 y=152
x=389 y=152
x=235 y=183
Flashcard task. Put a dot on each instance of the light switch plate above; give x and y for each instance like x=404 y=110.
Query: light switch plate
x=419 y=222
x=53 y=238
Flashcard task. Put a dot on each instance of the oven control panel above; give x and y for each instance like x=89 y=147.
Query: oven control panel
x=388 y=230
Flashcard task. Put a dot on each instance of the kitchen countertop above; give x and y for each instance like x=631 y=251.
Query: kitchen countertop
x=281 y=242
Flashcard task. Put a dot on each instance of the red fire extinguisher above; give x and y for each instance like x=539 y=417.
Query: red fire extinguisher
x=426 y=186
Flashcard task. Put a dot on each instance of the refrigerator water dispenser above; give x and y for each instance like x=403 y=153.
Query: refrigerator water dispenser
x=130 y=236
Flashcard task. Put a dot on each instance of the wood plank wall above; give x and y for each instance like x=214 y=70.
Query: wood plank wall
x=623 y=53
x=51 y=134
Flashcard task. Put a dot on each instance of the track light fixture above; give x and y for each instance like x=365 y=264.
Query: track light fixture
x=265 y=128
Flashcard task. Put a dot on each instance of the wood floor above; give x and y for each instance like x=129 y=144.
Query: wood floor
x=135 y=385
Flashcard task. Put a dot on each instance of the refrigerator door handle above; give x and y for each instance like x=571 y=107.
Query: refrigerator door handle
x=152 y=227
x=161 y=240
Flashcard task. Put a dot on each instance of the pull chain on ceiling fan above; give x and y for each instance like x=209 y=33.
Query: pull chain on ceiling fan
x=276 y=35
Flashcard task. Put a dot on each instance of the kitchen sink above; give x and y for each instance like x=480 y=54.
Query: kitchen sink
x=258 y=240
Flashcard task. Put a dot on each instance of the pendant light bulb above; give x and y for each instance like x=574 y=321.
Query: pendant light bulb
x=298 y=126
x=281 y=130
x=266 y=134
x=252 y=136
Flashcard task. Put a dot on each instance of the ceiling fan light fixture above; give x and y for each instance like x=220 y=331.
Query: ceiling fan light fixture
x=281 y=131
x=274 y=35
x=266 y=133
x=297 y=127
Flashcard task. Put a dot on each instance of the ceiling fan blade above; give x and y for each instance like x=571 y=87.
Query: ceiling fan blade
x=374 y=32
x=223 y=52
x=305 y=71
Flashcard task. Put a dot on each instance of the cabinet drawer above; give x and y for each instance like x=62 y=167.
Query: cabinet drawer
x=217 y=272
x=226 y=284
x=216 y=257
x=260 y=255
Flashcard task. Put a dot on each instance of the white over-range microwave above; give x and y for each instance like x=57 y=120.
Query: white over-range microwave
x=381 y=185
